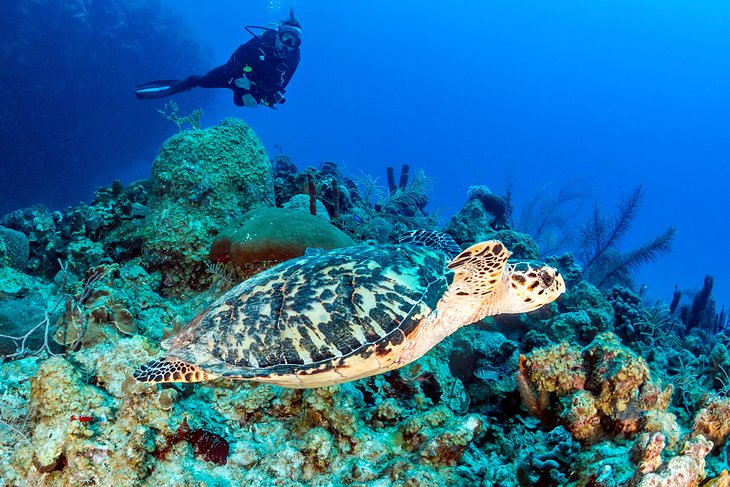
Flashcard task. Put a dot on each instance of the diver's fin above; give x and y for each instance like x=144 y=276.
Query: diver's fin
x=160 y=89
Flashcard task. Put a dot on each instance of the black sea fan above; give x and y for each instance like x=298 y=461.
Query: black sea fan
x=604 y=263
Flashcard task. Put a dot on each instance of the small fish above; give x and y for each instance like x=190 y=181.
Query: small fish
x=487 y=374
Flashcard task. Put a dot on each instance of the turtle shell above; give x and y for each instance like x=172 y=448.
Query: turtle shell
x=316 y=312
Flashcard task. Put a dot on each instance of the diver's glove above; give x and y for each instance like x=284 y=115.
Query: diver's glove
x=249 y=100
x=243 y=82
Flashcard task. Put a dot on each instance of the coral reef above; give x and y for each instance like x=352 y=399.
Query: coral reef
x=685 y=469
x=14 y=249
x=701 y=312
x=601 y=391
x=551 y=466
x=201 y=180
x=333 y=194
x=599 y=388
x=713 y=421
x=585 y=312
x=105 y=231
x=482 y=215
x=302 y=204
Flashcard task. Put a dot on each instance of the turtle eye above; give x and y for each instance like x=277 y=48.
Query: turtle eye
x=546 y=277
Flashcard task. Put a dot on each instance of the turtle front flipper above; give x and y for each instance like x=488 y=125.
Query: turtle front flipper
x=479 y=269
x=477 y=287
x=171 y=369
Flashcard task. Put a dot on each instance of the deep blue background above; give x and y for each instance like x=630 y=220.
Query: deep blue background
x=68 y=117
x=617 y=92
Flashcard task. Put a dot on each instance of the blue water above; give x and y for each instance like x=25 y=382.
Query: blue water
x=614 y=93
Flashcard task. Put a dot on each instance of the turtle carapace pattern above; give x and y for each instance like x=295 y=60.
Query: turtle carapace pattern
x=349 y=313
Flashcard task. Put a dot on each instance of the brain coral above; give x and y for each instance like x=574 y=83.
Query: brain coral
x=201 y=180
x=275 y=234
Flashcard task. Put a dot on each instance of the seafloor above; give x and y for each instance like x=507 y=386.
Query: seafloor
x=599 y=388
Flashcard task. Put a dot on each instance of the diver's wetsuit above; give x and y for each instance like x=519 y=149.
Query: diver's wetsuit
x=257 y=59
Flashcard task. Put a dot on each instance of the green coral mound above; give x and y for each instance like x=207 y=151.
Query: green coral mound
x=201 y=180
x=276 y=234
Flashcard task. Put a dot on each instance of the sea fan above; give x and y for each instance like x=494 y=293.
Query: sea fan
x=14 y=421
x=410 y=199
x=368 y=185
x=604 y=264
x=549 y=219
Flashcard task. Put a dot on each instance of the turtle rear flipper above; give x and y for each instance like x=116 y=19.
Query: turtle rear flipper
x=171 y=369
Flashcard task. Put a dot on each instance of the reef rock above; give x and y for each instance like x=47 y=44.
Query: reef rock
x=201 y=180
x=14 y=248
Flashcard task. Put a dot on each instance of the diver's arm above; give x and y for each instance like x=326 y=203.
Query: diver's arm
x=292 y=63
x=224 y=75
x=270 y=90
x=240 y=66
x=246 y=55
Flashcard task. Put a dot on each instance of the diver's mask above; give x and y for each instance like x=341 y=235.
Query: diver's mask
x=290 y=36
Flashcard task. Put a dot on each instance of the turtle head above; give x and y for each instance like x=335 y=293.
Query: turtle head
x=532 y=285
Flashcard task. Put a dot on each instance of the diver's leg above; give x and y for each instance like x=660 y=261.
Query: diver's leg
x=216 y=78
x=238 y=98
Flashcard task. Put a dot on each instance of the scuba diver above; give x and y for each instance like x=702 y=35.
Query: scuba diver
x=257 y=72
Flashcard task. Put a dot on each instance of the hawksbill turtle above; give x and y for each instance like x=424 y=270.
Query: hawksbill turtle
x=349 y=313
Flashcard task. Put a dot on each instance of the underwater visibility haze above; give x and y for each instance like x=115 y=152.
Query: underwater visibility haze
x=385 y=243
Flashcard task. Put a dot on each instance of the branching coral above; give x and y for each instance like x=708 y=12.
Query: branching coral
x=15 y=424
x=21 y=342
x=170 y=112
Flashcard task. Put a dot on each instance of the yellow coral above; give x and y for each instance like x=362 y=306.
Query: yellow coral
x=616 y=374
x=713 y=421
x=722 y=480
x=558 y=368
x=581 y=418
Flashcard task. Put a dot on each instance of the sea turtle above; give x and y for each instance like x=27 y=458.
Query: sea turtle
x=336 y=316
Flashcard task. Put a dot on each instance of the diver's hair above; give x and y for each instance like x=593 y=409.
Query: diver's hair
x=291 y=20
